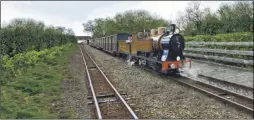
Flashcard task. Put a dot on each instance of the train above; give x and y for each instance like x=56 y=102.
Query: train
x=159 y=49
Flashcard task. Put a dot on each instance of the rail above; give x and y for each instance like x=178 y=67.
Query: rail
x=239 y=101
x=92 y=88
x=98 y=110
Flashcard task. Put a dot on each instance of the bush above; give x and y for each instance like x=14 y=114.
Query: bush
x=232 y=37
x=23 y=35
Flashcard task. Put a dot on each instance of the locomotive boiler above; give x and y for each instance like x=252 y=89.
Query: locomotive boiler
x=169 y=44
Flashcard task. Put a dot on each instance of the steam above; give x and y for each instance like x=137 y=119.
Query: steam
x=130 y=63
x=190 y=72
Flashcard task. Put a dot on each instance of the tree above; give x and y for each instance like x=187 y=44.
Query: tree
x=194 y=15
x=236 y=17
x=180 y=20
x=23 y=35
x=211 y=23
x=89 y=26
x=243 y=15
x=127 y=22
x=226 y=18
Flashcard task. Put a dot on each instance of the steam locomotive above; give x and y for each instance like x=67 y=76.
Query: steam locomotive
x=161 y=50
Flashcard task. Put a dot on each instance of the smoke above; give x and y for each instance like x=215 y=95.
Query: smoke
x=130 y=63
x=190 y=72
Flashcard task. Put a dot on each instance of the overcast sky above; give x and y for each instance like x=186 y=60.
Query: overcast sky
x=72 y=14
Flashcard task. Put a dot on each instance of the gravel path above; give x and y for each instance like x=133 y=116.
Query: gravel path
x=75 y=91
x=159 y=97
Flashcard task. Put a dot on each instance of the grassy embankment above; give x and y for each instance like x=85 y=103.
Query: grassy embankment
x=31 y=83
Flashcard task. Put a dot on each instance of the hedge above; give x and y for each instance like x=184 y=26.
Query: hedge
x=231 y=37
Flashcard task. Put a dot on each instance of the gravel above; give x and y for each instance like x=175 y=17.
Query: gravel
x=75 y=90
x=159 y=97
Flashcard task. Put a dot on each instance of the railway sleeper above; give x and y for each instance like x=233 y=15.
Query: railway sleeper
x=112 y=99
x=92 y=68
x=106 y=95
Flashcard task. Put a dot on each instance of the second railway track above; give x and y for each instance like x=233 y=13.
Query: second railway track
x=223 y=82
x=238 y=101
x=107 y=101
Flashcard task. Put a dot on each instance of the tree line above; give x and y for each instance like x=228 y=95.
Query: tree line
x=22 y=35
x=127 y=22
x=229 y=18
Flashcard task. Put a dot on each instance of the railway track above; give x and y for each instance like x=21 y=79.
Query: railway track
x=238 y=101
x=108 y=102
x=218 y=81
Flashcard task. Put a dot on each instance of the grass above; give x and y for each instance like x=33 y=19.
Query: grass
x=34 y=90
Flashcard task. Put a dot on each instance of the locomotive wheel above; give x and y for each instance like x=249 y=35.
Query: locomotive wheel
x=158 y=67
x=173 y=72
x=142 y=62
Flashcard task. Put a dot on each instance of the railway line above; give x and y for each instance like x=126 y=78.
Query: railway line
x=237 y=100
x=108 y=102
x=218 y=81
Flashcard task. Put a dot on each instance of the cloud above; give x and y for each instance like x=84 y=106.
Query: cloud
x=72 y=14
x=111 y=10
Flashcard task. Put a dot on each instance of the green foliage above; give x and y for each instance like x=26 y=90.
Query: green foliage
x=127 y=22
x=211 y=24
x=232 y=37
x=23 y=35
x=30 y=83
x=229 y=18
x=236 y=17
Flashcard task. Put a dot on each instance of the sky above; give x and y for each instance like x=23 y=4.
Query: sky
x=71 y=14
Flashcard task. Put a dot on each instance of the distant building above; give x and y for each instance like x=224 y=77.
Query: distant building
x=83 y=38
